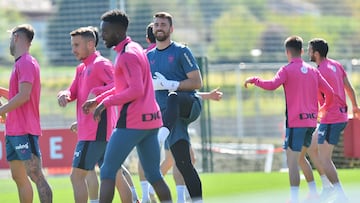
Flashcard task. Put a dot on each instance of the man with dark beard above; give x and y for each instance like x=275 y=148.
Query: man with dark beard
x=176 y=79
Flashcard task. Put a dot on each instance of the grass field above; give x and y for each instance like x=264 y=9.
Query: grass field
x=217 y=187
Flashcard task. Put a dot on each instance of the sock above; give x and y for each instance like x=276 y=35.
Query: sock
x=294 y=193
x=187 y=194
x=162 y=134
x=312 y=187
x=338 y=188
x=180 y=190
x=197 y=201
x=145 y=191
x=151 y=190
x=133 y=193
x=94 y=201
x=325 y=181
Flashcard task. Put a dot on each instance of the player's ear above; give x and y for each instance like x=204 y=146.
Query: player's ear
x=171 y=29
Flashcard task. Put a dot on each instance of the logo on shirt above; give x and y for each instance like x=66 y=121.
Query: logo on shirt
x=333 y=68
x=304 y=116
x=151 y=116
x=304 y=69
x=171 y=59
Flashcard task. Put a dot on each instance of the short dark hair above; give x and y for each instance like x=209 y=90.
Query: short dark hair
x=150 y=34
x=89 y=32
x=319 y=45
x=26 y=29
x=294 y=45
x=166 y=15
x=117 y=17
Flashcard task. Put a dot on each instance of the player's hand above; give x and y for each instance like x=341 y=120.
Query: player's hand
x=89 y=106
x=250 y=80
x=73 y=127
x=2 y=116
x=98 y=110
x=63 y=98
x=356 y=112
x=161 y=83
x=215 y=94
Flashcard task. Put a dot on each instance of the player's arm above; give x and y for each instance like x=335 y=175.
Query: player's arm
x=193 y=81
x=328 y=92
x=214 y=94
x=19 y=99
x=272 y=84
x=352 y=96
x=4 y=92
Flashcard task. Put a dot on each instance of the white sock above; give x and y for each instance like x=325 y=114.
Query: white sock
x=162 y=134
x=325 y=181
x=294 y=193
x=187 y=194
x=312 y=187
x=94 y=201
x=180 y=190
x=133 y=193
x=339 y=189
x=145 y=191
x=151 y=190
x=197 y=201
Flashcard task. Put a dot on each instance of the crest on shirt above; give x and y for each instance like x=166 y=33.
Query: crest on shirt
x=304 y=69
x=171 y=59
x=333 y=68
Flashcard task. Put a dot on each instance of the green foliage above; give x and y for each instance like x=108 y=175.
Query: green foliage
x=235 y=43
x=9 y=19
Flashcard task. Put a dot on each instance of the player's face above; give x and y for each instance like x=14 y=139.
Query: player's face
x=108 y=34
x=162 y=29
x=311 y=53
x=79 y=47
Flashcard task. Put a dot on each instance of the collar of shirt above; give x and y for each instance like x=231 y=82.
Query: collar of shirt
x=296 y=60
x=91 y=58
x=122 y=44
x=323 y=62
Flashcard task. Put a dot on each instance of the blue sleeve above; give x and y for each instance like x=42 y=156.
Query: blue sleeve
x=187 y=60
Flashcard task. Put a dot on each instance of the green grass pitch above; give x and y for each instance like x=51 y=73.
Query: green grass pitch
x=217 y=187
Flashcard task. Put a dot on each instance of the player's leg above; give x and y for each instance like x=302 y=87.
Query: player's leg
x=86 y=156
x=34 y=170
x=328 y=137
x=149 y=154
x=123 y=186
x=144 y=184
x=119 y=147
x=79 y=185
x=126 y=173
x=181 y=190
x=92 y=183
x=180 y=185
x=313 y=152
x=18 y=173
x=181 y=153
x=18 y=170
x=293 y=144
x=308 y=171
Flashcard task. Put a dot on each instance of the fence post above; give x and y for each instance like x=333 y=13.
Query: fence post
x=205 y=120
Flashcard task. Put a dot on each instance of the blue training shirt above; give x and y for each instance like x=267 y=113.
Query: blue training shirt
x=174 y=63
